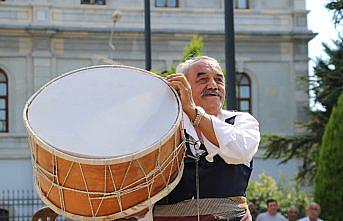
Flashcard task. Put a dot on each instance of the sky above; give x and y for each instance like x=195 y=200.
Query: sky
x=320 y=21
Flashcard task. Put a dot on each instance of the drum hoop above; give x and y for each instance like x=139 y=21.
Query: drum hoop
x=132 y=210
x=101 y=161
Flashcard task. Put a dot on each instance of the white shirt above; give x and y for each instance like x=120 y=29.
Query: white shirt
x=308 y=219
x=237 y=143
x=268 y=217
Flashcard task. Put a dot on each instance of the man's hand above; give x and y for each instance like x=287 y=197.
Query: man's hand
x=181 y=85
x=247 y=216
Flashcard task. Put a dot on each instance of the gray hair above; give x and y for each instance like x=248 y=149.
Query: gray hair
x=184 y=66
x=314 y=204
x=293 y=208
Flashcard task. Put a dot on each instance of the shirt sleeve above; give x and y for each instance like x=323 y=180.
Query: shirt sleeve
x=237 y=143
x=258 y=218
x=283 y=218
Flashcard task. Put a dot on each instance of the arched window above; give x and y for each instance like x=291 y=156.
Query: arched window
x=3 y=102
x=243 y=92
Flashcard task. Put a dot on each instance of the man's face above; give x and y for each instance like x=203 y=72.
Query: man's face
x=313 y=211
x=272 y=208
x=292 y=214
x=208 y=85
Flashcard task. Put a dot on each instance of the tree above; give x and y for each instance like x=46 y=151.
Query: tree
x=327 y=85
x=193 y=49
x=337 y=7
x=328 y=181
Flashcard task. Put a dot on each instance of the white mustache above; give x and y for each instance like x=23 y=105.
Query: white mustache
x=211 y=91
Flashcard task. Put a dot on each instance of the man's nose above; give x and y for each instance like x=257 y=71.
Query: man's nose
x=212 y=84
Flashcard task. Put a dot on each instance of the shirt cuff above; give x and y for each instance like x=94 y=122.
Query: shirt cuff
x=212 y=149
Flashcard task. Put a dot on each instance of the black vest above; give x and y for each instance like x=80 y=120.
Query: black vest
x=217 y=179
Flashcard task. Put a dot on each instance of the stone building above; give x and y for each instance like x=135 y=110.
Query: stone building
x=41 y=39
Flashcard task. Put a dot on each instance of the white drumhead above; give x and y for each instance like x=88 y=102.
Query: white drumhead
x=103 y=111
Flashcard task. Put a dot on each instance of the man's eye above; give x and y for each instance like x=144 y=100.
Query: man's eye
x=219 y=80
x=203 y=80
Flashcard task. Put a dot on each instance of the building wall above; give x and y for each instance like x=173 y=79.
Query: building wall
x=42 y=39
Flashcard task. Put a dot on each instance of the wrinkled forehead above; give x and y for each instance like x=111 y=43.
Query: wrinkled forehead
x=314 y=205
x=272 y=203
x=206 y=65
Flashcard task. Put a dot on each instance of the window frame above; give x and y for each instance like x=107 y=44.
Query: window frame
x=90 y=3
x=5 y=97
x=236 y=5
x=238 y=84
x=166 y=4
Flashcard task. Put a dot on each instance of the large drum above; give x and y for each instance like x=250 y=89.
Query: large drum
x=106 y=141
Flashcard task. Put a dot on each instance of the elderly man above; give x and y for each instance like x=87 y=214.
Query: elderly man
x=313 y=211
x=292 y=213
x=220 y=148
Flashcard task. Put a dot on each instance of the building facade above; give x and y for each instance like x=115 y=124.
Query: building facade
x=41 y=39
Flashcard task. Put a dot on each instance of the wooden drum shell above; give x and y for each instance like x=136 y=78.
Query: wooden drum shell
x=66 y=183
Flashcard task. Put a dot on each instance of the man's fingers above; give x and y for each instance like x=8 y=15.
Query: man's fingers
x=184 y=93
x=174 y=75
x=178 y=77
x=247 y=216
x=181 y=85
x=178 y=86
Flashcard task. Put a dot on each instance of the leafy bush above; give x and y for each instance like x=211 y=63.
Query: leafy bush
x=329 y=178
x=287 y=193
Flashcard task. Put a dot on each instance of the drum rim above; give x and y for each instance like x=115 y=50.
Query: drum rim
x=98 y=160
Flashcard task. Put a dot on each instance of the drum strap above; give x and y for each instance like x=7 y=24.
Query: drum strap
x=196 y=158
x=197 y=186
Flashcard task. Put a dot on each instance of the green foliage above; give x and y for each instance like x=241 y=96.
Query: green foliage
x=155 y=71
x=329 y=177
x=287 y=193
x=194 y=48
x=327 y=85
x=172 y=69
x=329 y=82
